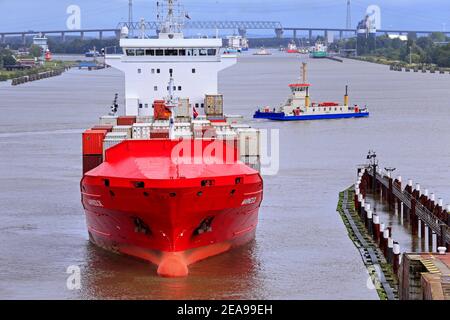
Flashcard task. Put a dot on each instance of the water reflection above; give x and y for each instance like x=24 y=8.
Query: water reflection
x=110 y=276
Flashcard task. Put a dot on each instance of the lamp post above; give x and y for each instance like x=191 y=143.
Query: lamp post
x=373 y=163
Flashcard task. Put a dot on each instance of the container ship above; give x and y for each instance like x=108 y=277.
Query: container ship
x=299 y=107
x=172 y=181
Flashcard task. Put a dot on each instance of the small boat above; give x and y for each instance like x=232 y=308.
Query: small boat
x=231 y=51
x=92 y=54
x=262 y=52
x=320 y=50
x=299 y=107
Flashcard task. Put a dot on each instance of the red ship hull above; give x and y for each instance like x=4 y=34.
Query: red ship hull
x=292 y=51
x=139 y=203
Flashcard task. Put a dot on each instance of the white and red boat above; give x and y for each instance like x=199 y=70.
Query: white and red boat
x=174 y=180
x=292 y=48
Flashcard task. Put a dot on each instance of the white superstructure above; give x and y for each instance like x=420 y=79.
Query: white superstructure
x=149 y=65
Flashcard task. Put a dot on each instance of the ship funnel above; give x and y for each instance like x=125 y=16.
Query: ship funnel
x=346 y=96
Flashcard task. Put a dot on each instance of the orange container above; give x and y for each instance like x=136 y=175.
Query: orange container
x=126 y=120
x=160 y=111
x=93 y=142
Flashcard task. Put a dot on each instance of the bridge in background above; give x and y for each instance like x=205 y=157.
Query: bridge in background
x=240 y=26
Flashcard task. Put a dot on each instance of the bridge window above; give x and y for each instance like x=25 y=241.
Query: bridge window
x=158 y=70
x=171 y=52
x=131 y=52
x=179 y=88
x=155 y=88
x=140 y=52
x=153 y=71
x=182 y=52
x=203 y=52
x=212 y=52
x=150 y=52
x=193 y=70
x=139 y=70
x=159 y=52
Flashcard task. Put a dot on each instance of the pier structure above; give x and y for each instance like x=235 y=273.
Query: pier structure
x=420 y=275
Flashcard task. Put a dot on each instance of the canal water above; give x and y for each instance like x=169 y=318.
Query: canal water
x=302 y=250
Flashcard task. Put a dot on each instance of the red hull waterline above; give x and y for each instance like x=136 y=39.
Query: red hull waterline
x=141 y=203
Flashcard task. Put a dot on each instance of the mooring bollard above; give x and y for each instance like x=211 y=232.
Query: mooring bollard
x=376 y=228
x=364 y=214
x=390 y=250
x=386 y=234
x=431 y=203
x=380 y=241
x=369 y=222
x=396 y=262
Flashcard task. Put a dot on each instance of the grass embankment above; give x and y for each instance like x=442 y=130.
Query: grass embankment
x=48 y=66
x=388 y=62
x=386 y=268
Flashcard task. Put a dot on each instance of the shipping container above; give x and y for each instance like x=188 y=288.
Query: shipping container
x=214 y=105
x=184 y=108
x=91 y=162
x=161 y=112
x=249 y=142
x=109 y=143
x=108 y=120
x=124 y=129
x=126 y=120
x=144 y=119
x=159 y=134
x=93 y=141
x=106 y=127
x=141 y=131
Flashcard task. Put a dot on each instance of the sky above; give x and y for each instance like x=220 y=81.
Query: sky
x=23 y=15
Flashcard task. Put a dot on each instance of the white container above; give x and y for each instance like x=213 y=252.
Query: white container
x=109 y=143
x=108 y=120
x=184 y=108
x=117 y=135
x=161 y=125
x=144 y=119
x=123 y=129
x=141 y=131
x=239 y=126
x=234 y=119
x=249 y=142
x=201 y=123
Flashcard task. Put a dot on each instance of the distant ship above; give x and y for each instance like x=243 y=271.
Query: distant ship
x=320 y=50
x=237 y=43
x=262 y=52
x=299 y=107
x=292 y=48
x=174 y=180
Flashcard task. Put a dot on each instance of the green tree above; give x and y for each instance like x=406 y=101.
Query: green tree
x=35 y=51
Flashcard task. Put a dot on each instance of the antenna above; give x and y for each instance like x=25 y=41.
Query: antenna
x=130 y=17
x=349 y=15
x=304 y=71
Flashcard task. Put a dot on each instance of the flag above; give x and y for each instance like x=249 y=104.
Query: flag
x=195 y=113
x=187 y=16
